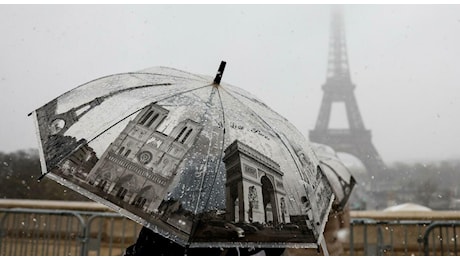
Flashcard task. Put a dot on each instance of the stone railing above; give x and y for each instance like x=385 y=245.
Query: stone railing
x=39 y=227
x=97 y=230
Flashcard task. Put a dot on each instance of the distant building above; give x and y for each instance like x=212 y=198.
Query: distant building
x=140 y=163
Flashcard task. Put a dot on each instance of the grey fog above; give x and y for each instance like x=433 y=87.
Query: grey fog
x=404 y=61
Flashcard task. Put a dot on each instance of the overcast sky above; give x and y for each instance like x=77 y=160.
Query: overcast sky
x=404 y=62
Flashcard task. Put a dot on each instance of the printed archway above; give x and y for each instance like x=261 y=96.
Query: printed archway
x=269 y=201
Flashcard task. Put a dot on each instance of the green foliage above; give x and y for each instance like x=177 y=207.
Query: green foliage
x=19 y=172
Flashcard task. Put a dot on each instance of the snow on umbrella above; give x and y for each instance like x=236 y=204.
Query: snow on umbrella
x=198 y=161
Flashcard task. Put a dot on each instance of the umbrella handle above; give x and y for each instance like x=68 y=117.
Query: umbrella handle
x=220 y=72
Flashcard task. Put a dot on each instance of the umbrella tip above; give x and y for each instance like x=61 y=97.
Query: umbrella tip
x=41 y=177
x=220 y=72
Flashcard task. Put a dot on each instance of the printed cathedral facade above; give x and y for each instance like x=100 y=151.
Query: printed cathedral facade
x=140 y=163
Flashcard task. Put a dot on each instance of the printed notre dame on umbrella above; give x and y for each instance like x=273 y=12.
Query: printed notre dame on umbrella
x=196 y=160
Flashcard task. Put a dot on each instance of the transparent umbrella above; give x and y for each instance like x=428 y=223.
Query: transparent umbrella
x=198 y=161
x=339 y=176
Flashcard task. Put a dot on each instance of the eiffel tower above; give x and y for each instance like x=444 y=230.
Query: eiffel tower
x=356 y=139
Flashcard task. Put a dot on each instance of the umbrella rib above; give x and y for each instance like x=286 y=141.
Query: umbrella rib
x=209 y=148
x=116 y=123
x=100 y=99
x=130 y=74
x=186 y=72
x=175 y=94
x=218 y=165
x=116 y=92
x=260 y=103
x=125 y=73
x=271 y=128
x=79 y=146
x=286 y=146
x=223 y=139
x=160 y=74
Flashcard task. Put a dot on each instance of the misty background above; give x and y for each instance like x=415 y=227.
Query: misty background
x=404 y=61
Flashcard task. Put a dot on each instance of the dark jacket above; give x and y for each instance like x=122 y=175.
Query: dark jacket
x=150 y=243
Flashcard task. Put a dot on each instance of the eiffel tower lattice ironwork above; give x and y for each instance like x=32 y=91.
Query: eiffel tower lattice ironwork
x=355 y=140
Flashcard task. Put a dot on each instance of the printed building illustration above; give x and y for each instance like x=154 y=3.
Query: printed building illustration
x=80 y=163
x=254 y=187
x=141 y=162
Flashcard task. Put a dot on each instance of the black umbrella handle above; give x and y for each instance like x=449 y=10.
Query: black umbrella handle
x=220 y=72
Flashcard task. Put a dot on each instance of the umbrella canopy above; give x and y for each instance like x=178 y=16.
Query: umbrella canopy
x=339 y=175
x=198 y=161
